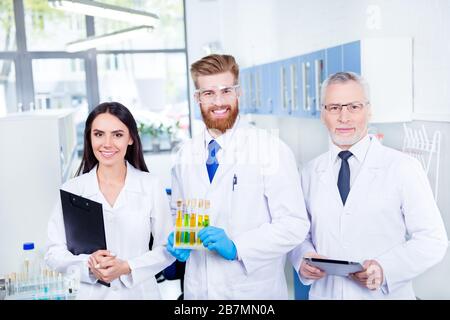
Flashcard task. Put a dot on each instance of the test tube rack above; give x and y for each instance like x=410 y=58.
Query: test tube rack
x=49 y=285
x=189 y=222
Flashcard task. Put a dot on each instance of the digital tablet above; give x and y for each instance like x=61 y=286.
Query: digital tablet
x=335 y=267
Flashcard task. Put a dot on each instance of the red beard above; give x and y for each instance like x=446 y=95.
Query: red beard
x=220 y=124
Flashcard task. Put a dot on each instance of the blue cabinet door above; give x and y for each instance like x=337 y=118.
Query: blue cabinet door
x=298 y=94
x=317 y=59
x=352 y=57
x=275 y=87
x=244 y=100
x=256 y=80
x=266 y=95
x=333 y=60
x=284 y=106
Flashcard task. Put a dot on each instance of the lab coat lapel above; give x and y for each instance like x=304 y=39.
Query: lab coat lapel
x=328 y=180
x=369 y=171
x=132 y=185
x=199 y=160
x=222 y=185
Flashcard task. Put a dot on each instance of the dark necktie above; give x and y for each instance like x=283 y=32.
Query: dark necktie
x=211 y=162
x=344 y=175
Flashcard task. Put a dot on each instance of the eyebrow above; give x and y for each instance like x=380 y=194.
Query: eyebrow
x=115 y=131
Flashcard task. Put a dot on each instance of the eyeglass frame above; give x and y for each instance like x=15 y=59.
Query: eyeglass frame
x=364 y=104
x=219 y=88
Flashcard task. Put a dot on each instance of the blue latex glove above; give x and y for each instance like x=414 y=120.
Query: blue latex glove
x=217 y=240
x=181 y=254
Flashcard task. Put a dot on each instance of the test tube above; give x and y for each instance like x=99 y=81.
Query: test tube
x=206 y=216
x=192 y=222
x=186 y=222
x=192 y=225
x=179 y=221
x=199 y=225
x=199 y=219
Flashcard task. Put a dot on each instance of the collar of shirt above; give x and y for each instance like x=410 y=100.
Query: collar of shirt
x=223 y=140
x=359 y=151
x=131 y=181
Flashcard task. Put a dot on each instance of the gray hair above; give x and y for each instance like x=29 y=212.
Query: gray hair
x=343 y=77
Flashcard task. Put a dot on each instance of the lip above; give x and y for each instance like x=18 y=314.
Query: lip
x=108 y=154
x=220 y=113
x=345 y=131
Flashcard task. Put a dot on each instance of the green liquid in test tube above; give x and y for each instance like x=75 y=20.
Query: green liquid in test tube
x=186 y=224
x=206 y=216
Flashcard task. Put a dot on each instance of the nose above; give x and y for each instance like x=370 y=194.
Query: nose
x=107 y=141
x=344 y=115
x=218 y=99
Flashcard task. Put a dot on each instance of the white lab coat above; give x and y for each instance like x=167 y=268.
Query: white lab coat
x=140 y=209
x=264 y=215
x=390 y=215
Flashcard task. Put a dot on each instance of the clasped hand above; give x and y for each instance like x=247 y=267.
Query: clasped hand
x=106 y=266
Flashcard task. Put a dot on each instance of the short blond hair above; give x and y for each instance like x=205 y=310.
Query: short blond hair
x=214 y=64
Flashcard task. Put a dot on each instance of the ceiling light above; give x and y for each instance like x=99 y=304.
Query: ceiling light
x=103 y=10
x=118 y=36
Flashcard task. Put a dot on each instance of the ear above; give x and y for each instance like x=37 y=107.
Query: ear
x=369 y=113
x=239 y=92
x=130 y=142
x=196 y=98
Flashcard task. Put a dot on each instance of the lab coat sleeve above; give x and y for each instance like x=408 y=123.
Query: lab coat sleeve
x=297 y=254
x=150 y=263
x=57 y=256
x=296 y=257
x=177 y=192
x=289 y=222
x=427 y=241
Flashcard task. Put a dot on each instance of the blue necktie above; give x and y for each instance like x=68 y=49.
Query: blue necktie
x=344 y=175
x=212 y=163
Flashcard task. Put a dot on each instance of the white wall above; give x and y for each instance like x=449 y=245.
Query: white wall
x=260 y=31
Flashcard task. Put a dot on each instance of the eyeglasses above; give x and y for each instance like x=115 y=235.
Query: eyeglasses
x=209 y=95
x=352 y=107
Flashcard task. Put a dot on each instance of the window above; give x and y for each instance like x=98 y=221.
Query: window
x=48 y=29
x=59 y=83
x=168 y=34
x=147 y=74
x=7 y=26
x=8 y=101
x=152 y=85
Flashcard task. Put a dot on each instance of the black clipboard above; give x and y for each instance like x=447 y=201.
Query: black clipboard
x=83 y=223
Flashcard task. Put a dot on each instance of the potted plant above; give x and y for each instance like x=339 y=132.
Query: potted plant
x=155 y=132
x=172 y=133
x=146 y=139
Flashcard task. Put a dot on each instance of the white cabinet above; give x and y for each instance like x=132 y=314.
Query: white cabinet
x=37 y=151
x=387 y=65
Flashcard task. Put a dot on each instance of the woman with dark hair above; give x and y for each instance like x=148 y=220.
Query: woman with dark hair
x=113 y=173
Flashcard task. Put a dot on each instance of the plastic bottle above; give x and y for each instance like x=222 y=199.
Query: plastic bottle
x=30 y=267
